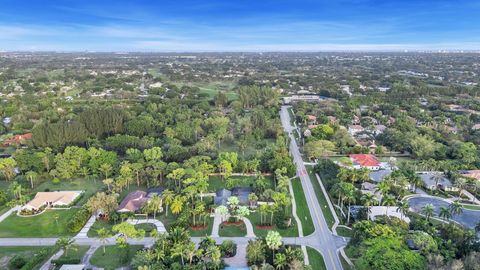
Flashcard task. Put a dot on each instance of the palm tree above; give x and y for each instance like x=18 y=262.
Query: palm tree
x=368 y=200
x=155 y=204
x=384 y=188
x=32 y=176
x=168 y=196
x=190 y=252
x=388 y=201
x=445 y=213
x=427 y=210
x=456 y=208
x=177 y=250
x=437 y=177
x=349 y=197
x=460 y=183
x=65 y=244
x=103 y=235
x=364 y=174
x=280 y=261
x=177 y=204
x=106 y=169
x=343 y=174
x=338 y=191
x=415 y=181
x=108 y=182
x=274 y=241
x=403 y=207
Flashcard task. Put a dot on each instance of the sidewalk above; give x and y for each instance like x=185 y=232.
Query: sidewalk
x=9 y=212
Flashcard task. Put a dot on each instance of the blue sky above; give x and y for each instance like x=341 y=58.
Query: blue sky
x=240 y=25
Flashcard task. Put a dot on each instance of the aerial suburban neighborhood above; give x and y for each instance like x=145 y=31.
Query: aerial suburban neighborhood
x=263 y=135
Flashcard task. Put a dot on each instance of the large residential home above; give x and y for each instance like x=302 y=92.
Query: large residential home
x=311 y=119
x=52 y=199
x=431 y=183
x=133 y=201
x=365 y=161
x=242 y=193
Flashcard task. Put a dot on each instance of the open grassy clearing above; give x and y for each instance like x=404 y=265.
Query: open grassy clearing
x=215 y=182
x=43 y=225
x=114 y=257
x=315 y=259
x=303 y=211
x=232 y=230
x=291 y=231
x=321 y=198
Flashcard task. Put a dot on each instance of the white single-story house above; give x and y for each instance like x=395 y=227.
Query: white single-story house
x=54 y=198
x=391 y=212
x=432 y=184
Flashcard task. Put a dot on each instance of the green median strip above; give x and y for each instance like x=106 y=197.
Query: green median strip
x=321 y=198
x=315 y=259
x=303 y=211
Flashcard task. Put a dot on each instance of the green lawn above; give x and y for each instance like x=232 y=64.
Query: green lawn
x=232 y=230
x=471 y=206
x=89 y=186
x=74 y=254
x=303 y=211
x=112 y=259
x=43 y=225
x=342 y=231
x=215 y=182
x=254 y=217
x=315 y=259
x=321 y=198
x=207 y=231
x=6 y=253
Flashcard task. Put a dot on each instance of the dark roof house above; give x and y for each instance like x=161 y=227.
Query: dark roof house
x=133 y=201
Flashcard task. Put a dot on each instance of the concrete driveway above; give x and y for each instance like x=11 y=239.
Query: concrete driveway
x=468 y=218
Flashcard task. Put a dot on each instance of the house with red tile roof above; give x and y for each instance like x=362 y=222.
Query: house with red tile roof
x=365 y=161
x=133 y=201
x=17 y=139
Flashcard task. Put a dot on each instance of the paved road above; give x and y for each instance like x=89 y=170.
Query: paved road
x=326 y=242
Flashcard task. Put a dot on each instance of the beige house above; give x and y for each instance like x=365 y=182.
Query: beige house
x=54 y=198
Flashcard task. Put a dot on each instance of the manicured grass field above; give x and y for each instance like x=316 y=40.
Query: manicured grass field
x=43 y=225
x=111 y=259
x=303 y=212
x=74 y=254
x=321 y=198
x=316 y=259
x=232 y=230
x=342 y=231
x=254 y=217
x=215 y=182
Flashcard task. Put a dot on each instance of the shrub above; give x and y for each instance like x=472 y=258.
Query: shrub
x=63 y=261
x=38 y=258
x=228 y=248
x=78 y=221
x=17 y=262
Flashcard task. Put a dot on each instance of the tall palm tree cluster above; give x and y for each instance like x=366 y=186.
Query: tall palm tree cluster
x=445 y=213
x=177 y=251
x=270 y=253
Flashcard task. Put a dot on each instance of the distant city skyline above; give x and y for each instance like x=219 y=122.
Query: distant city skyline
x=250 y=26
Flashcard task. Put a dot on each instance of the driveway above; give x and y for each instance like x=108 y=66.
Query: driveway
x=468 y=218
